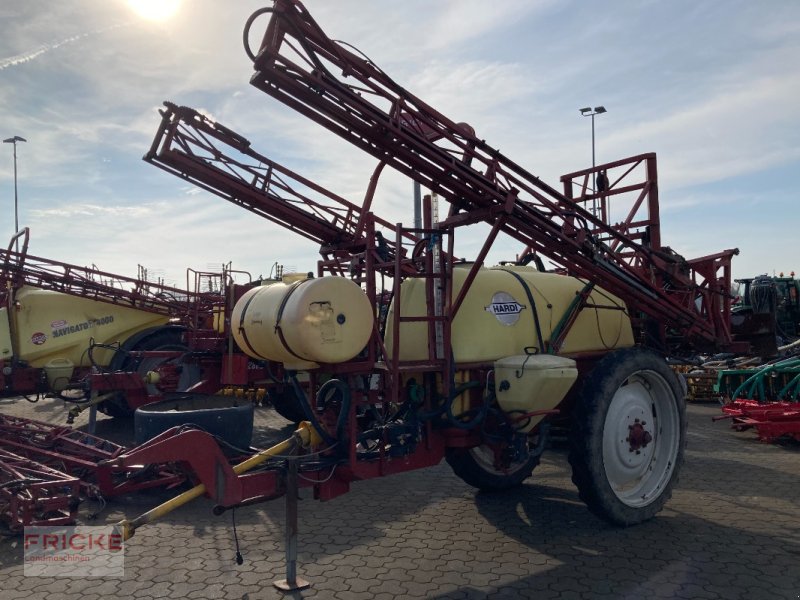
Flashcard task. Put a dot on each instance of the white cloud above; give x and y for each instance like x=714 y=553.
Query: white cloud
x=91 y=210
x=710 y=87
x=464 y=20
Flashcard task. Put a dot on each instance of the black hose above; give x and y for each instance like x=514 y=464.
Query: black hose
x=270 y=374
x=222 y=442
x=115 y=348
x=535 y=312
x=532 y=257
x=481 y=412
x=440 y=409
x=309 y=412
x=344 y=412
x=246 y=34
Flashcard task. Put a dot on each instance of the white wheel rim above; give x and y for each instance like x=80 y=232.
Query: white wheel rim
x=484 y=458
x=641 y=438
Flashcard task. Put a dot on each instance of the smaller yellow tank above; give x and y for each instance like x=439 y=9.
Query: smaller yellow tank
x=59 y=373
x=530 y=383
x=304 y=322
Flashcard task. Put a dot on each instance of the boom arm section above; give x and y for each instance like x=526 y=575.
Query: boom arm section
x=217 y=159
x=20 y=268
x=345 y=92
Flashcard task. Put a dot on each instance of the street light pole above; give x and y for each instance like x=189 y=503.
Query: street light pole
x=589 y=112
x=14 y=140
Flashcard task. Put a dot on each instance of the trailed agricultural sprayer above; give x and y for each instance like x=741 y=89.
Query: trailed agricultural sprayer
x=90 y=336
x=465 y=363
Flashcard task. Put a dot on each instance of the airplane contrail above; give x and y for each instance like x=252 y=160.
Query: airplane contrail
x=31 y=55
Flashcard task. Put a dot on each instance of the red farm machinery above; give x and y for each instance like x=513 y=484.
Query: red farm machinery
x=414 y=355
x=101 y=339
x=409 y=355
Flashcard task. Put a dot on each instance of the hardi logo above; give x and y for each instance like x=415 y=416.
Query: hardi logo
x=505 y=308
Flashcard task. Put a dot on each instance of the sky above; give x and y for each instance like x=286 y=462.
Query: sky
x=711 y=86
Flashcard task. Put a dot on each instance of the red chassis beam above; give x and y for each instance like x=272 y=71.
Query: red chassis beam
x=218 y=371
x=200 y=454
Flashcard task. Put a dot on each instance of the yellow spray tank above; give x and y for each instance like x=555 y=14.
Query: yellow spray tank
x=302 y=322
x=501 y=321
x=51 y=330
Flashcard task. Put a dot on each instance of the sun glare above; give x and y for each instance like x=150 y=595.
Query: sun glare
x=155 y=10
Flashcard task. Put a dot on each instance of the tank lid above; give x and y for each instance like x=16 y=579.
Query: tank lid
x=293 y=277
x=534 y=361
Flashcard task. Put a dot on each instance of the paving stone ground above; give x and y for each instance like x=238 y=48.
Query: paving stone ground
x=731 y=530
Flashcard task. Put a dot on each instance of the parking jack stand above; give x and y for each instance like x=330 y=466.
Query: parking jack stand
x=92 y=419
x=292 y=582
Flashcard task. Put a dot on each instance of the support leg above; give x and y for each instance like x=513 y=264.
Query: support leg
x=92 y=419
x=292 y=582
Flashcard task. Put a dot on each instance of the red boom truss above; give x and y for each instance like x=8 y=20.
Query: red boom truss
x=20 y=268
x=221 y=161
x=346 y=93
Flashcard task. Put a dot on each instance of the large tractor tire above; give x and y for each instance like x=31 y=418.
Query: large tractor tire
x=628 y=436
x=159 y=339
x=476 y=466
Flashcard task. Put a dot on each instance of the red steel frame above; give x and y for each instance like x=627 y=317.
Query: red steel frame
x=297 y=64
x=701 y=285
x=772 y=420
x=32 y=494
x=219 y=160
x=82 y=455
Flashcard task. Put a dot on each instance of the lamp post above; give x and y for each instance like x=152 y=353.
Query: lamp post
x=14 y=140
x=591 y=112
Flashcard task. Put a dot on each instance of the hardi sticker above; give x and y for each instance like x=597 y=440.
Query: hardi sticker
x=38 y=338
x=57 y=324
x=505 y=308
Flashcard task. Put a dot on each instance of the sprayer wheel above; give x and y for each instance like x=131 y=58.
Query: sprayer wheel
x=628 y=436
x=160 y=340
x=476 y=466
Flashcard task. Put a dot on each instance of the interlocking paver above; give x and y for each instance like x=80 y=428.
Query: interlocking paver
x=730 y=531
